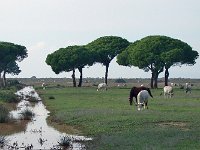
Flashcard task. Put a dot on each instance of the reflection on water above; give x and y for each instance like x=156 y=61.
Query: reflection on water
x=38 y=135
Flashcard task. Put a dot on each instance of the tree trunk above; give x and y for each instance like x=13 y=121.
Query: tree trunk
x=1 y=82
x=156 y=80
x=73 y=78
x=81 y=77
x=152 y=78
x=106 y=74
x=166 y=76
x=4 y=79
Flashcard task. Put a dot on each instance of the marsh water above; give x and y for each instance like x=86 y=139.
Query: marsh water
x=38 y=134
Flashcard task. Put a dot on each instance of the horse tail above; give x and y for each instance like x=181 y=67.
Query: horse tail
x=149 y=92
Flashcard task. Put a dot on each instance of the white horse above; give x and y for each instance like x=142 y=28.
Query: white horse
x=102 y=86
x=168 y=91
x=142 y=98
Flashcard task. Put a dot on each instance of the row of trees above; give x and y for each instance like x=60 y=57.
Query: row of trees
x=101 y=50
x=10 y=54
x=152 y=53
x=157 y=53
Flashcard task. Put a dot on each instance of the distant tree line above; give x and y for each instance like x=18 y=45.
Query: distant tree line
x=10 y=54
x=152 y=53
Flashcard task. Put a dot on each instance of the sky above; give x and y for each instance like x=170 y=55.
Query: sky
x=44 y=26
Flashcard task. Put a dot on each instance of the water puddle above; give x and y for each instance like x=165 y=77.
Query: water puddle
x=38 y=135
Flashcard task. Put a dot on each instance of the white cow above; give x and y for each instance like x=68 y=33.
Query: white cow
x=142 y=98
x=168 y=91
x=102 y=86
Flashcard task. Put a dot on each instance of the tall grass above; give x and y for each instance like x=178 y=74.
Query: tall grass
x=4 y=114
x=3 y=141
x=114 y=124
x=65 y=142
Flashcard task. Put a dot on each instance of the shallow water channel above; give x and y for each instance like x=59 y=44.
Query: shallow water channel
x=38 y=134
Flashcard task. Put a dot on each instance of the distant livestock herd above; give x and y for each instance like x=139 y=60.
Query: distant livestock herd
x=142 y=93
x=168 y=90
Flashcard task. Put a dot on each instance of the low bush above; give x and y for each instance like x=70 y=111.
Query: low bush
x=51 y=97
x=65 y=142
x=3 y=141
x=9 y=97
x=12 y=82
x=27 y=114
x=31 y=98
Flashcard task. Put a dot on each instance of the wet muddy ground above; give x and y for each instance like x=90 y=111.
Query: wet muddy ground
x=37 y=133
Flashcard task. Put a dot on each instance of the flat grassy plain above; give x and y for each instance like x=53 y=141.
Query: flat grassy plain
x=107 y=117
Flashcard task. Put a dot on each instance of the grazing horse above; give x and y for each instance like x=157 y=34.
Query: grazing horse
x=102 y=86
x=142 y=98
x=134 y=92
x=168 y=91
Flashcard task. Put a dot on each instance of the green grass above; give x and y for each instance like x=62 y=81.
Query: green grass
x=114 y=124
x=8 y=96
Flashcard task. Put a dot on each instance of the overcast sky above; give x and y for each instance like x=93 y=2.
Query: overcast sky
x=44 y=26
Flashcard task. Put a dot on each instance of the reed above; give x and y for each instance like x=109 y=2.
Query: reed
x=64 y=142
x=4 y=114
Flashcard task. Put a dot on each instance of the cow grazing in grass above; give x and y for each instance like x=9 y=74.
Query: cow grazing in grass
x=168 y=91
x=134 y=92
x=142 y=98
x=102 y=86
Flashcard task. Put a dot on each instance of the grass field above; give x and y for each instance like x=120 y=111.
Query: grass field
x=115 y=125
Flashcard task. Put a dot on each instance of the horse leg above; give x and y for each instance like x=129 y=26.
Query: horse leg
x=146 y=105
x=139 y=107
x=136 y=102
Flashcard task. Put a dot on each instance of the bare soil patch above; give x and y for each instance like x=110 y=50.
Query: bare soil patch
x=12 y=127
x=176 y=124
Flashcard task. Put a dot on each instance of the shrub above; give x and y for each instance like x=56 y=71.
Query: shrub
x=27 y=114
x=12 y=82
x=4 y=114
x=51 y=97
x=3 y=141
x=9 y=97
x=31 y=98
x=65 y=142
